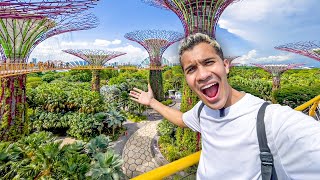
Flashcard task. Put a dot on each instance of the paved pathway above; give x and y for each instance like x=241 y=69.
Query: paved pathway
x=137 y=151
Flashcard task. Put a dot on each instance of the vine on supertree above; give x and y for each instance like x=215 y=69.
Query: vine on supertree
x=155 y=42
x=94 y=57
x=24 y=25
x=310 y=49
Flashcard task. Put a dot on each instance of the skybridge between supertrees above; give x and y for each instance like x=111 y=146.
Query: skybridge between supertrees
x=155 y=42
x=96 y=59
x=309 y=49
x=196 y=16
x=276 y=70
x=24 y=25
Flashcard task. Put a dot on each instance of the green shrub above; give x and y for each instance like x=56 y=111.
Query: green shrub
x=40 y=156
x=167 y=102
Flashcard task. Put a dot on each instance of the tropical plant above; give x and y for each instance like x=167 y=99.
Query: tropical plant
x=106 y=166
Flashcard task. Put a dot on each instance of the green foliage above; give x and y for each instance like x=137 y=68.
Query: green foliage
x=97 y=145
x=166 y=128
x=135 y=118
x=295 y=95
x=176 y=142
x=106 y=166
x=33 y=82
x=118 y=94
x=189 y=98
x=78 y=76
x=256 y=87
x=40 y=156
x=172 y=79
x=64 y=97
x=48 y=77
x=167 y=102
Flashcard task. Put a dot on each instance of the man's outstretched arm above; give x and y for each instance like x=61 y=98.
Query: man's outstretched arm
x=146 y=98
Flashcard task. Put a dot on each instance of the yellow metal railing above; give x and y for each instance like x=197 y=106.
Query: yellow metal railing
x=183 y=163
x=171 y=168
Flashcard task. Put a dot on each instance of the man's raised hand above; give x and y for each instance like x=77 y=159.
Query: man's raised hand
x=142 y=97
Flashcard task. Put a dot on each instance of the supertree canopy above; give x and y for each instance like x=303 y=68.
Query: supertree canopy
x=155 y=42
x=24 y=24
x=230 y=59
x=94 y=57
x=310 y=49
x=276 y=70
x=195 y=15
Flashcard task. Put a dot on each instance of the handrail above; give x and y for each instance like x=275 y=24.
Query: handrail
x=183 y=163
x=169 y=169
x=307 y=104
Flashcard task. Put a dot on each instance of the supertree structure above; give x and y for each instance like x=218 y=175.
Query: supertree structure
x=24 y=24
x=97 y=58
x=196 y=16
x=310 y=49
x=276 y=70
x=155 y=42
x=230 y=59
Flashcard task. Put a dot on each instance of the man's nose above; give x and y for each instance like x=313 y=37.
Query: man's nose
x=203 y=74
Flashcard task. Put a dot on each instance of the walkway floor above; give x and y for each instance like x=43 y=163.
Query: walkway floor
x=137 y=151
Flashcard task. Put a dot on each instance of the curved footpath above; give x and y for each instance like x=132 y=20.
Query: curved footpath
x=136 y=153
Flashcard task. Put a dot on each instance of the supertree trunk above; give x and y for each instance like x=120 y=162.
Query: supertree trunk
x=156 y=83
x=96 y=80
x=13 y=123
x=189 y=98
x=275 y=83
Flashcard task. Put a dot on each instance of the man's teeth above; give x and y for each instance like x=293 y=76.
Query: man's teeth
x=207 y=86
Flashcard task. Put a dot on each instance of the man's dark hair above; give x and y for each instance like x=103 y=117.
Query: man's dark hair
x=194 y=39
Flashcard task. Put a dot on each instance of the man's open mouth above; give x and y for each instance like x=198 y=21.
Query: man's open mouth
x=210 y=90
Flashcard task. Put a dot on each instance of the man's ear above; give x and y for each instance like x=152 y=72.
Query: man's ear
x=226 y=64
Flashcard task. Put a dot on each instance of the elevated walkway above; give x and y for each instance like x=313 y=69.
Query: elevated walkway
x=13 y=69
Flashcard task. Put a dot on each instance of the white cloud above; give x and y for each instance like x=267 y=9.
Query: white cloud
x=102 y=42
x=51 y=49
x=270 y=22
x=254 y=57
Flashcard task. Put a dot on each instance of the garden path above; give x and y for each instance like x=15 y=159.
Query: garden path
x=136 y=153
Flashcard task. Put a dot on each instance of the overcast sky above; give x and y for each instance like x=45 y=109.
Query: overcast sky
x=248 y=28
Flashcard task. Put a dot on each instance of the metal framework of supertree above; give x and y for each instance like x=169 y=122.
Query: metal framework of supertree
x=97 y=58
x=155 y=42
x=24 y=24
x=310 y=49
x=276 y=70
x=230 y=59
x=195 y=15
